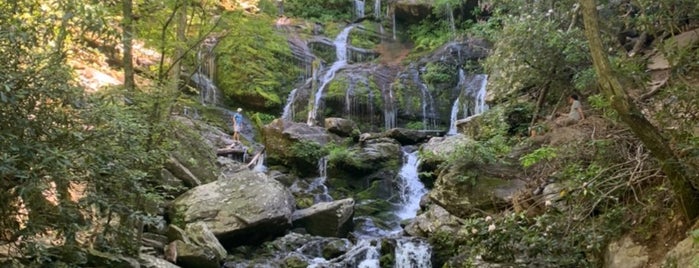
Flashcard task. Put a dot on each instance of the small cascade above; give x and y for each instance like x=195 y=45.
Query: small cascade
x=260 y=164
x=389 y=110
x=411 y=189
x=317 y=186
x=413 y=252
x=480 y=105
x=450 y=18
x=288 y=113
x=341 y=61
x=204 y=77
x=377 y=9
x=428 y=121
x=364 y=254
x=359 y=8
x=473 y=89
x=454 y=115
x=393 y=22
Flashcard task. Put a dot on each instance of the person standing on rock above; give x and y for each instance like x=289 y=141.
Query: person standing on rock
x=237 y=124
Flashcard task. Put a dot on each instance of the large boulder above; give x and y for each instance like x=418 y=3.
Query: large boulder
x=435 y=219
x=149 y=261
x=243 y=207
x=407 y=136
x=195 y=153
x=331 y=219
x=295 y=145
x=466 y=188
x=193 y=256
x=342 y=127
x=375 y=159
x=684 y=254
x=200 y=235
x=627 y=254
x=437 y=149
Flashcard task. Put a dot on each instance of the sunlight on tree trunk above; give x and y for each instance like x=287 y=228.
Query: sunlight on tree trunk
x=127 y=38
x=649 y=135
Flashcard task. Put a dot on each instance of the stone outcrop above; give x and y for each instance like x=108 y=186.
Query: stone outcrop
x=240 y=207
x=436 y=218
x=407 y=136
x=467 y=188
x=280 y=138
x=684 y=254
x=342 y=127
x=626 y=253
x=331 y=219
x=149 y=261
x=191 y=256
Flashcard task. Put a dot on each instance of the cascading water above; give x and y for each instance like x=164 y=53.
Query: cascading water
x=377 y=9
x=359 y=8
x=454 y=117
x=341 y=61
x=481 y=106
x=411 y=252
x=288 y=113
x=317 y=186
x=389 y=110
x=204 y=77
x=411 y=188
x=474 y=88
x=428 y=113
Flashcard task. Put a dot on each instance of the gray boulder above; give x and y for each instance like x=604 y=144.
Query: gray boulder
x=242 y=207
x=466 y=187
x=181 y=172
x=435 y=219
x=342 y=127
x=327 y=218
x=407 y=136
x=188 y=255
x=625 y=253
x=149 y=261
x=295 y=145
x=200 y=235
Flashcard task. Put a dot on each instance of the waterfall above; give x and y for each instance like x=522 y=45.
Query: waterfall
x=260 y=164
x=377 y=9
x=359 y=8
x=389 y=112
x=454 y=115
x=318 y=185
x=411 y=188
x=412 y=252
x=204 y=77
x=341 y=61
x=394 y=23
x=450 y=17
x=427 y=107
x=288 y=113
x=481 y=106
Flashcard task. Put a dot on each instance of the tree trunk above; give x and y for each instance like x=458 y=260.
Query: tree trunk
x=127 y=38
x=648 y=134
x=181 y=43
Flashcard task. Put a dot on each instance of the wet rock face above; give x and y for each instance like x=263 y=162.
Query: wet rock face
x=342 y=127
x=332 y=219
x=241 y=208
x=282 y=140
x=412 y=11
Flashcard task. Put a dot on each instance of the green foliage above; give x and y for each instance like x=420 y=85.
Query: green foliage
x=439 y=73
x=417 y=125
x=547 y=240
x=429 y=34
x=543 y=153
x=320 y=10
x=535 y=46
x=252 y=61
x=343 y=156
x=601 y=103
x=308 y=150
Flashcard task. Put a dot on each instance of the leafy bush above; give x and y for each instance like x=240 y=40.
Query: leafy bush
x=543 y=153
